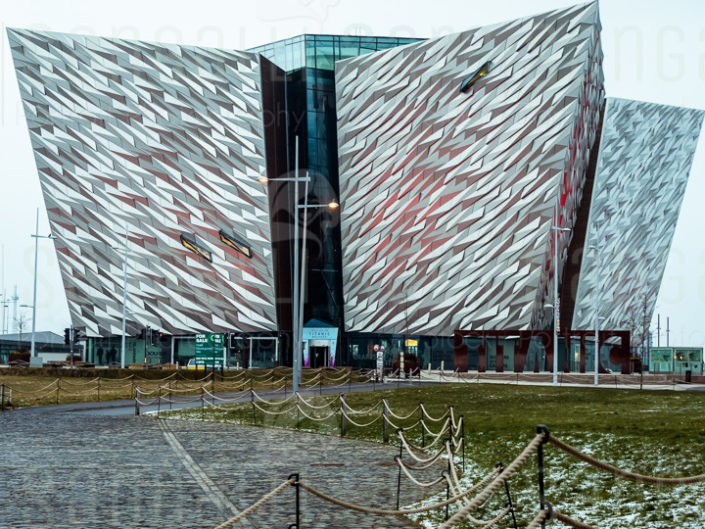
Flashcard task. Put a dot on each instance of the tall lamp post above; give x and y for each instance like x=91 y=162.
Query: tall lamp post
x=33 y=353
x=296 y=360
x=556 y=312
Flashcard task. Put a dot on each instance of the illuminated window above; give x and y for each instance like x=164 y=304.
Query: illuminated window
x=479 y=74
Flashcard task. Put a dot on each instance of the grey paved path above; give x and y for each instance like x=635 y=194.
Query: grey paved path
x=63 y=469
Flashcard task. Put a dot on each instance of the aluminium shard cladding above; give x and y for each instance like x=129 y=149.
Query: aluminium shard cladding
x=645 y=156
x=448 y=197
x=165 y=139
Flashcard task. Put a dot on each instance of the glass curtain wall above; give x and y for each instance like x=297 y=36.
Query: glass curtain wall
x=309 y=61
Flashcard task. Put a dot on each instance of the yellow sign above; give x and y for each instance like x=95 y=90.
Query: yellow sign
x=411 y=343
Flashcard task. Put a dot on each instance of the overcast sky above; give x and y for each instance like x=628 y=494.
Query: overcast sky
x=653 y=52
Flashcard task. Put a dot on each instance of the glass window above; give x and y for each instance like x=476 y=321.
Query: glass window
x=298 y=55
x=325 y=57
x=312 y=151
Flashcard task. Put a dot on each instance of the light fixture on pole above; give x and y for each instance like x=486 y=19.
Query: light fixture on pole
x=33 y=353
x=556 y=312
x=296 y=360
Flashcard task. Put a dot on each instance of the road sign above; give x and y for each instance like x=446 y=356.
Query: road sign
x=209 y=345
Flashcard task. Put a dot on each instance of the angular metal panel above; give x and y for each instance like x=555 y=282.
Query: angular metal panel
x=448 y=196
x=166 y=139
x=646 y=152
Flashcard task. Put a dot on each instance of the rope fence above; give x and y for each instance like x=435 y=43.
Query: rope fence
x=73 y=389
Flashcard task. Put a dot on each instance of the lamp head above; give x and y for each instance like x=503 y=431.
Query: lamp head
x=263 y=179
x=333 y=204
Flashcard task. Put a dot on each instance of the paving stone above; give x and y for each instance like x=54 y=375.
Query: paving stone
x=77 y=470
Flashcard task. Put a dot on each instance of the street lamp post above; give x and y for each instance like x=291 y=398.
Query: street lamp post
x=299 y=269
x=556 y=312
x=296 y=360
x=33 y=352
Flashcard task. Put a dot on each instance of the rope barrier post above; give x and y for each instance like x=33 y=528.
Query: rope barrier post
x=295 y=477
x=132 y=386
x=170 y=395
x=448 y=447
x=450 y=424
x=252 y=401
x=58 y=389
x=343 y=418
x=298 y=413
x=385 y=420
x=98 y=389
x=349 y=380
x=400 y=432
x=510 y=504
x=542 y=429
x=159 y=400
x=2 y=397
x=423 y=426
x=203 y=403
x=137 y=401
x=462 y=436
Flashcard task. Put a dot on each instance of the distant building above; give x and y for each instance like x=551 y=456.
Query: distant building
x=49 y=346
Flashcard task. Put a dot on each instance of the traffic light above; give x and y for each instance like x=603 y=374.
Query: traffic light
x=142 y=334
x=67 y=336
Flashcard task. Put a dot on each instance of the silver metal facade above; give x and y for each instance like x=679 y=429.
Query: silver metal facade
x=448 y=197
x=645 y=156
x=165 y=139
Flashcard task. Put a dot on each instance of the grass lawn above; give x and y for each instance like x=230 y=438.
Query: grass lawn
x=650 y=432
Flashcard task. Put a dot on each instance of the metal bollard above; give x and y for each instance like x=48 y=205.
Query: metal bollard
x=462 y=419
x=510 y=504
x=252 y=401
x=137 y=401
x=385 y=420
x=448 y=481
x=542 y=499
x=400 y=432
x=298 y=503
x=343 y=418
x=203 y=403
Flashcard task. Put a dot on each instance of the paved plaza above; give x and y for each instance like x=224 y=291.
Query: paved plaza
x=63 y=468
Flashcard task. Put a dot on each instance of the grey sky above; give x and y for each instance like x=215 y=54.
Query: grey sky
x=655 y=52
